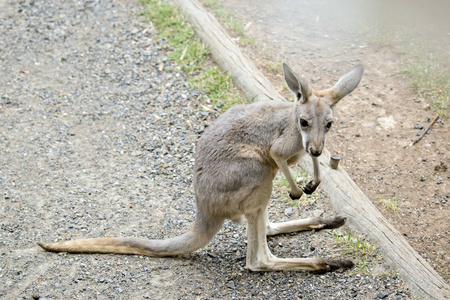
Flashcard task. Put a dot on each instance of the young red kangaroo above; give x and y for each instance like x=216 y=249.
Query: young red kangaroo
x=236 y=161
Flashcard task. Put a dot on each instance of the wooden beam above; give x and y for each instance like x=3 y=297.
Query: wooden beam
x=347 y=199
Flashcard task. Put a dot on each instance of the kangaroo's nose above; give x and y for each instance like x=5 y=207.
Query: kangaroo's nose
x=315 y=152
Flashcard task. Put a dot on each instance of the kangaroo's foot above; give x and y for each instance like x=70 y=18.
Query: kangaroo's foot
x=333 y=222
x=315 y=265
x=259 y=257
x=295 y=195
x=332 y=265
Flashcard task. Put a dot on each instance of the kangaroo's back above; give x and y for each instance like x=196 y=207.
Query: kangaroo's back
x=254 y=124
x=233 y=155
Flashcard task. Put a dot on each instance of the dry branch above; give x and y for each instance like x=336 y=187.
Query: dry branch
x=425 y=131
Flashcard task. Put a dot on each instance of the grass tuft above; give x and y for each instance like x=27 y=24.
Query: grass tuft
x=358 y=247
x=217 y=85
x=431 y=80
x=229 y=20
x=275 y=67
x=390 y=203
x=190 y=54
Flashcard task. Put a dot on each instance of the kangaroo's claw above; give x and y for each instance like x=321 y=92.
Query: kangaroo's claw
x=310 y=187
x=334 y=222
x=331 y=265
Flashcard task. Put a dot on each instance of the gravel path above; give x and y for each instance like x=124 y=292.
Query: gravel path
x=97 y=135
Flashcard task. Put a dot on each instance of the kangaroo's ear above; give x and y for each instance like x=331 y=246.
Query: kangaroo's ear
x=296 y=84
x=345 y=85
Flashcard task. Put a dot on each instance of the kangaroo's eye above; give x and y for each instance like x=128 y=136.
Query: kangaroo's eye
x=304 y=123
x=328 y=126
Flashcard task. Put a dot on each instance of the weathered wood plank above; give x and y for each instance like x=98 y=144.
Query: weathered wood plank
x=347 y=199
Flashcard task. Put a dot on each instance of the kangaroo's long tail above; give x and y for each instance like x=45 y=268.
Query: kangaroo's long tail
x=200 y=234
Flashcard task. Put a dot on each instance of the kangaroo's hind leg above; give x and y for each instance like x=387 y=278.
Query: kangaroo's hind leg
x=316 y=223
x=259 y=257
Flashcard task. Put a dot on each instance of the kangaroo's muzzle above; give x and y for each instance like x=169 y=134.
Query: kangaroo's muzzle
x=315 y=153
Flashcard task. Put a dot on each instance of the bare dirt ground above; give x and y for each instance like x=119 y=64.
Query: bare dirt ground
x=374 y=125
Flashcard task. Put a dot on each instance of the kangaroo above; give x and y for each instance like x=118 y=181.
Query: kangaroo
x=236 y=161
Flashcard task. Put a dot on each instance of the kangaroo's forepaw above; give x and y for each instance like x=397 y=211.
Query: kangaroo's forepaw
x=311 y=187
x=331 y=265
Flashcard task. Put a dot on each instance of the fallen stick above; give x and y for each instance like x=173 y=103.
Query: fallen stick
x=425 y=131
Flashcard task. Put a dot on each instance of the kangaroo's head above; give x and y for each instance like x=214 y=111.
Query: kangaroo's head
x=313 y=111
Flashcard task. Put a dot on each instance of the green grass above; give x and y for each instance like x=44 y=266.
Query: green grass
x=430 y=78
x=357 y=247
x=190 y=54
x=390 y=203
x=217 y=85
x=275 y=67
x=353 y=243
x=229 y=20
